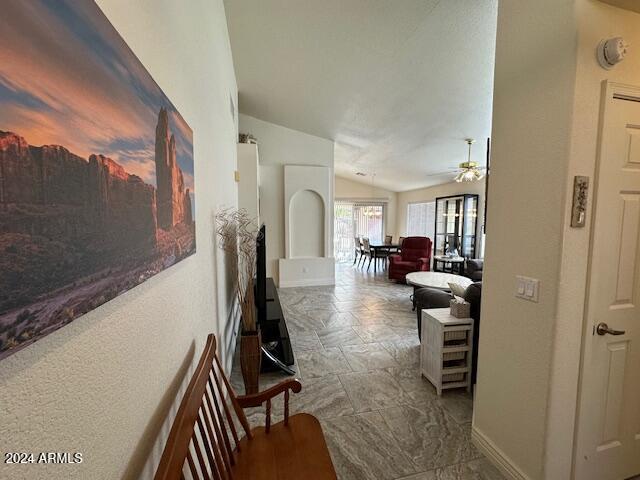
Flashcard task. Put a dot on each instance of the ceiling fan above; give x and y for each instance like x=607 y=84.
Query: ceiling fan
x=468 y=171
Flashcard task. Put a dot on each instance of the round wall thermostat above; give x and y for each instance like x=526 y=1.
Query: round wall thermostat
x=611 y=52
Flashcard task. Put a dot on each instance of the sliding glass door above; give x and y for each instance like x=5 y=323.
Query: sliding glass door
x=369 y=222
x=343 y=243
x=355 y=219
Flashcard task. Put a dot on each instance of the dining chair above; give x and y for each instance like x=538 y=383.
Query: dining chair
x=357 y=245
x=388 y=239
x=366 y=250
x=382 y=255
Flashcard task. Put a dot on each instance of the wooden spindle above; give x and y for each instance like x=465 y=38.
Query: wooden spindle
x=286 y=407
x=225 y=435
x=227 y=411
x=268 y=420
x=200 y=457
x=192 y=465
x=234 y=401
x=208 y=441
x=219 y=450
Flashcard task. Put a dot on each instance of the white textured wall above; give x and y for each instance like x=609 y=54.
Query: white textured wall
x=279 y=146
x=104 y=384
x=306 y=216
x=248 y=184
x=346 y=189
x=596 y=21
x=308 y=204
x=532 y=121
x=308 y=221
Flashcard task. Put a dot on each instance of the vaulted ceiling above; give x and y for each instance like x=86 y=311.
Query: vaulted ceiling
x=633 y=5
x=397 y=84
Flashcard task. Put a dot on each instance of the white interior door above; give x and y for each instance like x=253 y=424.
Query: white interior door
x=608 y=428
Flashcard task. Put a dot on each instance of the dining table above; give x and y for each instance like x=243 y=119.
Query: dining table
x=378 y=248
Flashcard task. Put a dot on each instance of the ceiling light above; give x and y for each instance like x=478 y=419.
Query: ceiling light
x=469 y=171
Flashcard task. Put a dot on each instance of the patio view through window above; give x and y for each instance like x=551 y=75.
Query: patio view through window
x=356 y=220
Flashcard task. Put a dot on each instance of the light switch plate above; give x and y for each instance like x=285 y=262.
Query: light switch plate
x=527 y=288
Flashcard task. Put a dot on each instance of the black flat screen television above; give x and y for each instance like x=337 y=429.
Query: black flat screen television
x=261 y=276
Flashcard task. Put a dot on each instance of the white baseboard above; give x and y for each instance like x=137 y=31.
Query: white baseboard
x=496 y=456
x=309 y=282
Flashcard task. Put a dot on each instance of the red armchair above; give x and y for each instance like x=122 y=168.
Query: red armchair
x=415 y=256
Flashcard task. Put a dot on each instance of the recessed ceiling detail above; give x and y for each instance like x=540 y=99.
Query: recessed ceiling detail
x=397 y=85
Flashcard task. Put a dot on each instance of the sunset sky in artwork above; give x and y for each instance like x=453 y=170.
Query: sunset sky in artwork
x=67 y=78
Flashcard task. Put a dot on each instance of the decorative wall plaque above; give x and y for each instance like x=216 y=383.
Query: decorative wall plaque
x=580 y=196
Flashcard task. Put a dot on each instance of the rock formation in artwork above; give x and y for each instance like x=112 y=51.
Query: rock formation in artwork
x=71 y=198
x=188 y=214
x=37 y=174
x=172 y=199
x=123 y=203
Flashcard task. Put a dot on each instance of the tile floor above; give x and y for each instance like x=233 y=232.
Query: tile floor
x=357 y=356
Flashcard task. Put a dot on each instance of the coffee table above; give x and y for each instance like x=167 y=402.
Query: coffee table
x=452 y=264
x=437 y=280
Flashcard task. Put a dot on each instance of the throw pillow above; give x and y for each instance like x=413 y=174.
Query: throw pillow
x=457 y=289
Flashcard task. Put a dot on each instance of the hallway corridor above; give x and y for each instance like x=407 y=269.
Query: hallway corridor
x=357 y=356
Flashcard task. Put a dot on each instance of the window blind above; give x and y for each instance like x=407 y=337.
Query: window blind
x=421 y=219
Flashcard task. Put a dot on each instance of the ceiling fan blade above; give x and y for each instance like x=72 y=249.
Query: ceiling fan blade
x=440 y=174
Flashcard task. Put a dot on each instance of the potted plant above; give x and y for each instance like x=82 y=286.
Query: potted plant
x=238 y=235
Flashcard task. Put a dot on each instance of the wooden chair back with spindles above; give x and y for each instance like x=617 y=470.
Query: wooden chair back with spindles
x=204 y=442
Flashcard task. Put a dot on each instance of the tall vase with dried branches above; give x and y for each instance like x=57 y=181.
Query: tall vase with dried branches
x=238 y=234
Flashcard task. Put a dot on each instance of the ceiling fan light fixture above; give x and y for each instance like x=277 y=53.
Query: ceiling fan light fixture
x=466 y=176
x=469 y=171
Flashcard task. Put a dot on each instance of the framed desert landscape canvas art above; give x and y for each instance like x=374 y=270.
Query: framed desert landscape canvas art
x=96 y=169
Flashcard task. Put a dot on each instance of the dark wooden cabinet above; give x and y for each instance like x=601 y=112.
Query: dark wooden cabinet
x=456 y=225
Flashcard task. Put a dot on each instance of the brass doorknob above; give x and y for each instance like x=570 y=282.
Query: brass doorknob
x=603 y=329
